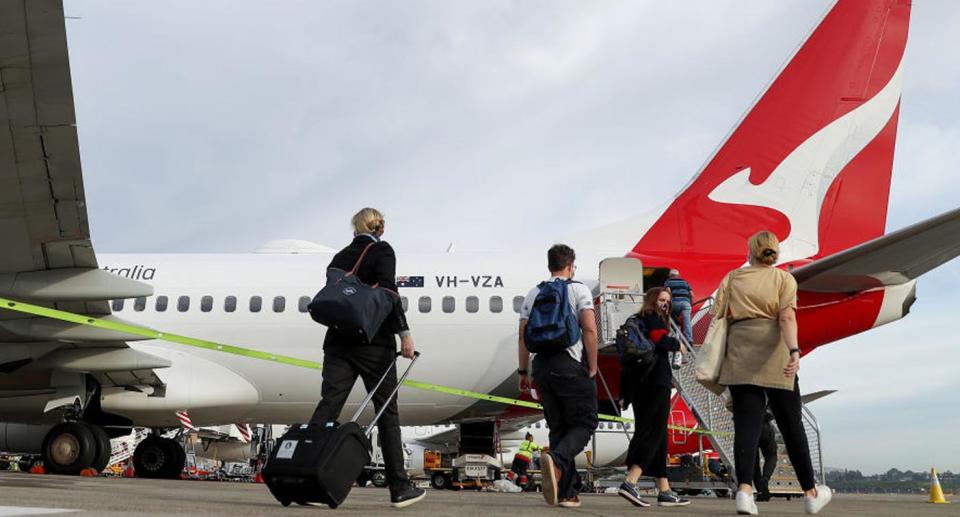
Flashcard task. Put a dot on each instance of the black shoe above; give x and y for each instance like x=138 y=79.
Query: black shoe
x=670 y=498
x=630 y=493
x=409 y=496
x=763 y=496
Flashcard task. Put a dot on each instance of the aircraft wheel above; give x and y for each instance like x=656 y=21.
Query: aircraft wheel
x=69 y=448
x=104 y=451
x=158 y=458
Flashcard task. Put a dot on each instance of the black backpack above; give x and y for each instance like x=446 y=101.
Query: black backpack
x=634 y=347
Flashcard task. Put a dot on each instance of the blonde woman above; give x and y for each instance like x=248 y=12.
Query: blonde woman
x=760 y=366
x=345 y=357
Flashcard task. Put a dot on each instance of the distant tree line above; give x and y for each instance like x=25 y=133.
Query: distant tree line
x=891 y=481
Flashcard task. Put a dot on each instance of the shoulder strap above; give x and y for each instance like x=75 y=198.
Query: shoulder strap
x=359 y=260
x=726 y=296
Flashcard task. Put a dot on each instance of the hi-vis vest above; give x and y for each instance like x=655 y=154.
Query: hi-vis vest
x=526 y=450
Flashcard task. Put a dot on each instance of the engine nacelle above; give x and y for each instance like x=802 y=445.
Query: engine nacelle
x=22 y=438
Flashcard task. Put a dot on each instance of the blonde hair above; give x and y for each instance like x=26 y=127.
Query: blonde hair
x=368 y=220
x=764 y=248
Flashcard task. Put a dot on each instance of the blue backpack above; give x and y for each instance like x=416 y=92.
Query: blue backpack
x=552 y=325
x=634 y=347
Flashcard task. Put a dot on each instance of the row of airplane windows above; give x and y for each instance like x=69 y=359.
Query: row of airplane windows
x=610 y=426
x=448 y=304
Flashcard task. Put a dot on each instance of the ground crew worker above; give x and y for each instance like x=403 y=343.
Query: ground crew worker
x=522 y=460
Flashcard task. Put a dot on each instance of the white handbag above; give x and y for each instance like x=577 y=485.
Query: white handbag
x=710 y=356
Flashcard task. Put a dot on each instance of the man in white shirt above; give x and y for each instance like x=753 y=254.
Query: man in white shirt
x=565 y=383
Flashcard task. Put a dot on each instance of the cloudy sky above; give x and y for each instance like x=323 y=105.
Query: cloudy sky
x=217 y=126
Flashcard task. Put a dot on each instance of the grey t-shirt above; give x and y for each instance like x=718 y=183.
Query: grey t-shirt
x=580 y=299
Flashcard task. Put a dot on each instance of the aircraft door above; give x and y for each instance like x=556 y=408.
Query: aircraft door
x=621 y=295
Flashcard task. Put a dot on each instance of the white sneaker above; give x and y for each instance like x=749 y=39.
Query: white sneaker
x=745 y=504
x=814 y=504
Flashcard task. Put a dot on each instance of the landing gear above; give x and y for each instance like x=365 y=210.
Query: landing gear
x=159 y=458
x=102 y=457
x=69 y=448
x=72 y=447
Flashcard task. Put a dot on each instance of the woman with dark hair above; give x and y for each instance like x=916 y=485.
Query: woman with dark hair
x=650 y=396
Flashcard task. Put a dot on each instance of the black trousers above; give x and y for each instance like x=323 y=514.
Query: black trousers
x=748 y=413
x=519 y=466
x=648 y=447
x=768 y=448
x=569 y=399
x=341 y=367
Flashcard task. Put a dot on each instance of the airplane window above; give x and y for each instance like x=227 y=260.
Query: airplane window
x=117 y=305
x=183 y=303
x=473 y=304
x=425 y=304
x=161 y=303
x=279 y=303
x=206 y=304
x=496 y=304
x=302 y=304
x=140 y=303
x=256 y=303
x=404 y=303
x=230 y=304
x=449 y=304
x=517 y=303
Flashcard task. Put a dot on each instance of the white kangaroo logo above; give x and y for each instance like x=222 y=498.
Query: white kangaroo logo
x=799 y=184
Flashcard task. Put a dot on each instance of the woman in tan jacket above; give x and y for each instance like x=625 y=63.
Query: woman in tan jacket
x=761 y=364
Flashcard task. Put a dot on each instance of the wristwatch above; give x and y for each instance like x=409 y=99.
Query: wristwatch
x=521 y=371
x=792 y=350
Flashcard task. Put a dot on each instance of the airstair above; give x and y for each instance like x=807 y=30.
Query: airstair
x=621 y=294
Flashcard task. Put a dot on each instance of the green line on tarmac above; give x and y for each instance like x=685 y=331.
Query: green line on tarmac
x=135 y=330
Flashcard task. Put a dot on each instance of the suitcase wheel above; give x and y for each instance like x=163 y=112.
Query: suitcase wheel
x=333 y=506
x=285 y=502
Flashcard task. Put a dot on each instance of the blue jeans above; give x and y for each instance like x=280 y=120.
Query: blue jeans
x=681 y=311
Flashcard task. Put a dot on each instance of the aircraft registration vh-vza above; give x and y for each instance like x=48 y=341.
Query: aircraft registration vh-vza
x=811 y=160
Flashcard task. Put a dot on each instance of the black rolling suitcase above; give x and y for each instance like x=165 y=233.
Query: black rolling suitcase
x=318 y=464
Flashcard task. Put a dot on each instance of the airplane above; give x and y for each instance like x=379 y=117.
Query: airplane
x=811 y=160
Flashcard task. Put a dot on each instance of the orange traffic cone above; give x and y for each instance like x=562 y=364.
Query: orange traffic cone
x=89 y=473
x=37 y=469
x=258 y=478
x=936 y=493
x=128 y=472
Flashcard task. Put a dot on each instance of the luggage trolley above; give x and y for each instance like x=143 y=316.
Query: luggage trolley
x=621 y=295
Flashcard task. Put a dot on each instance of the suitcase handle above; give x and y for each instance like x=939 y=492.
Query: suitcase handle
x=366 y=401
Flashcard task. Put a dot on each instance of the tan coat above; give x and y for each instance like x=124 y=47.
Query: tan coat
x=755 y=352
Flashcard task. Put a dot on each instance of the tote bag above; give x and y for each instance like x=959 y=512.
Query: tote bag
x=710 y=356
x=350 y=306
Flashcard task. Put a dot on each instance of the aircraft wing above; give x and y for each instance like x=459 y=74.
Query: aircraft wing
x=892 y=259
x=817 y=395
x=47 y=255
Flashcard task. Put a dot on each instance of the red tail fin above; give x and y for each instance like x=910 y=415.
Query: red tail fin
x=812 y=160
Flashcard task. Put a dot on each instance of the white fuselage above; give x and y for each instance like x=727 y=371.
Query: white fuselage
x=476 y=351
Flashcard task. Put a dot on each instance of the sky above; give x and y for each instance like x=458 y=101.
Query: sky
x=218 y=126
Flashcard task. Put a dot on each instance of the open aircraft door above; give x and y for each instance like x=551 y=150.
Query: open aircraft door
x=621 y=295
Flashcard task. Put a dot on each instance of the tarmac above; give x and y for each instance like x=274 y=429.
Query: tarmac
x=32 y=494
